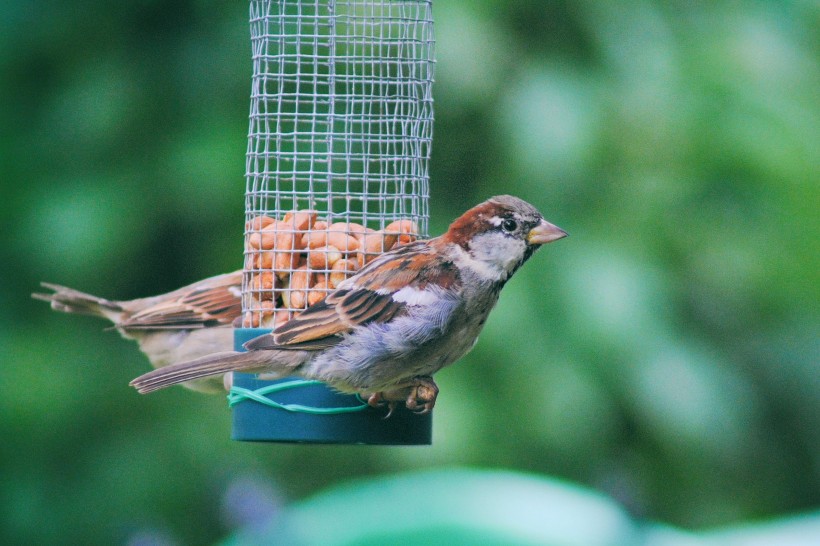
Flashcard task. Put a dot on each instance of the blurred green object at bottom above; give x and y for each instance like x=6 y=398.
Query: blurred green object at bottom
x=450 y=507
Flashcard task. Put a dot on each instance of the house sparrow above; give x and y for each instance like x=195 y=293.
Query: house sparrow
x=386 y=330
x=182 y=325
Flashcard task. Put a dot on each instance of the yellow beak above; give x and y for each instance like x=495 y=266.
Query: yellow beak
x=545 y=233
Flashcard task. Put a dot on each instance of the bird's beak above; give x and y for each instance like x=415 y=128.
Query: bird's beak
x=545 y=233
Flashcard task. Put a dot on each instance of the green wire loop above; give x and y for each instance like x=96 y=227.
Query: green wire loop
x=240 y=394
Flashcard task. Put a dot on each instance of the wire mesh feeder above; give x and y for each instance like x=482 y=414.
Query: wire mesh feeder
x=337 y=173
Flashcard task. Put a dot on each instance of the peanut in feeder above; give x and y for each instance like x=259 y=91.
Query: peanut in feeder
x=337 y=172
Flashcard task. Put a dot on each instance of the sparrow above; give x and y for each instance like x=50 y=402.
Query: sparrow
x=385 y=331
x=182 y=325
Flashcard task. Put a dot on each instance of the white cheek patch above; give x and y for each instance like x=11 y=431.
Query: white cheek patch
x=496 y=251
x=483 y=269
x=413 y=296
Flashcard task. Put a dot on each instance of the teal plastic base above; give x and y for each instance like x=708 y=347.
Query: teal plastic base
x=257 y=422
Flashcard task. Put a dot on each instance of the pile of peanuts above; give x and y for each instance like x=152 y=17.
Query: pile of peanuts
x=294 y=262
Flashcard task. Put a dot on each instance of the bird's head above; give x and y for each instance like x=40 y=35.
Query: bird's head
x=500 y=234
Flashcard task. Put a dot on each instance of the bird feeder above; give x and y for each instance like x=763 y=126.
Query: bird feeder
x=337 y=172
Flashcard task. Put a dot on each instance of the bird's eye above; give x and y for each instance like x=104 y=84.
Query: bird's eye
x=509 y=225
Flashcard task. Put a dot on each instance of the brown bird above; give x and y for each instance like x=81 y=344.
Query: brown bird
x=182 y=325
x=386 y=330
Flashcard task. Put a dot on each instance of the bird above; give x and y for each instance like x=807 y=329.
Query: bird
x=385 y=331
x=188 y=323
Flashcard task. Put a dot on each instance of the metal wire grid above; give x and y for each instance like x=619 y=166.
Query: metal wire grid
x=340 y=123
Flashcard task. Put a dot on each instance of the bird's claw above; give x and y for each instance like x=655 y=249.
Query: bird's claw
x=422 y=397
x=419 y=397
x=377 y=400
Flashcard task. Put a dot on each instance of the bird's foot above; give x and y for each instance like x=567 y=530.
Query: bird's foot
x=419 y=396
x=422 y=397
x=378 y=400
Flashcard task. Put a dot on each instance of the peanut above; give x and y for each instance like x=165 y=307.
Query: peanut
x=265 y=238
x=267 y=314
x=407 y=230
x=339 y=234
x=280 y=317
x=342 y=270
x=300 y=220
x=300 y=281
x=374 y=244
x=357 y=230
x=264 y=259
x=247 y=320
x=318 y=292
x=262 y=311
x=263 y=284
x=319 y=226
x=289 y=240
x=286 y=258
x=258 y=222
x=323 y=257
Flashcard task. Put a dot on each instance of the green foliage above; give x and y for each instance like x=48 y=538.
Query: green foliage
x=666 y=354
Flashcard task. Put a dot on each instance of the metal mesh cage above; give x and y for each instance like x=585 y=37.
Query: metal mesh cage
x=340 y=132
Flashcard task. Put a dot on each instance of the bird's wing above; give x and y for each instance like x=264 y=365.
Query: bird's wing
x=382 y=290
x=215 y=301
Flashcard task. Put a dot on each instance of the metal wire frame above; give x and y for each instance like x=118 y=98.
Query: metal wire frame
x=340 y=123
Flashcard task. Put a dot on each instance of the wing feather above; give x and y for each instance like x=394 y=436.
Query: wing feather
x=365 y=298
x=216 y=302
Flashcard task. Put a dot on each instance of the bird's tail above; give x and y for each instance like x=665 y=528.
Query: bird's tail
x=218 y=363
x=69 y=300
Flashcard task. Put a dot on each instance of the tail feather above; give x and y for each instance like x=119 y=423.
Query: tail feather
x=218 y=363
x=69 y=300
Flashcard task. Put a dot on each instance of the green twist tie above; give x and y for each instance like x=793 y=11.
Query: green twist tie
x=240 y=394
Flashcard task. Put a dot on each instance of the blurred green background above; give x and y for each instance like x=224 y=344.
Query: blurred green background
x=665 y=355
